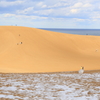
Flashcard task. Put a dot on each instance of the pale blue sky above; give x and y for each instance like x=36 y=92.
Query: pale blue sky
x=51 y=13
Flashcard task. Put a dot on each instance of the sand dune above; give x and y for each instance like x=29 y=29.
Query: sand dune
x=24 y=49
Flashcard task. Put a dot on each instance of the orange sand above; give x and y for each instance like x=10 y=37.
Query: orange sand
x=45 y=51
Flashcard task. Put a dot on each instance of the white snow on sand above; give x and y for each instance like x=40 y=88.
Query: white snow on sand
x=59 y=86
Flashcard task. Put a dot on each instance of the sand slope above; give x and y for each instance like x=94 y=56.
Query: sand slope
x=45 y=51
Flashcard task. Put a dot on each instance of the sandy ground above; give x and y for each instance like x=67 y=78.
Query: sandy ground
x=28 y=50
x=50 y=86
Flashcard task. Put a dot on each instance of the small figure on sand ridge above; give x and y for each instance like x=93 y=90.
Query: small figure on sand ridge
x=81 y=71
x=20 y=42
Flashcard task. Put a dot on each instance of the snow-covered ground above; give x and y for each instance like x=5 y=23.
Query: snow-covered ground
x=54 y=86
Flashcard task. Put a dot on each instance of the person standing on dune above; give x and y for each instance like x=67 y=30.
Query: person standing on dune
x=81 y=71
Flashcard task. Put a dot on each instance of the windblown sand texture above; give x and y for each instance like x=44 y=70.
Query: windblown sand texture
x=24 y=49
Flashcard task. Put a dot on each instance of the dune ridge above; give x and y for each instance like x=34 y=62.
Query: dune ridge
x=28 y=50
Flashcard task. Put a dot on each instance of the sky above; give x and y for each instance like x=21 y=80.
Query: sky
x=77 y=14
